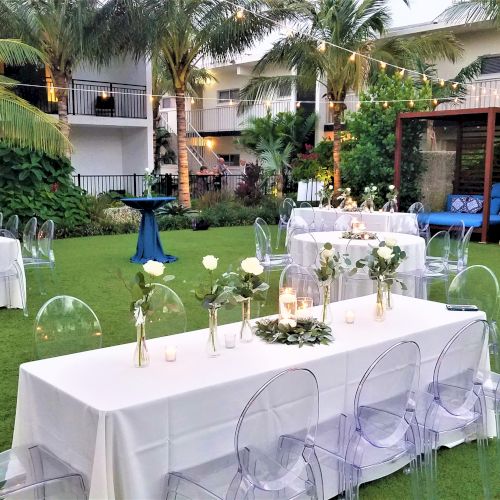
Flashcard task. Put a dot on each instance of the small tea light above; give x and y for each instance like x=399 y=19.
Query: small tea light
x=288 y=303
x=230 y=340
x=356 y=226
x=304 y=305
x=170 y=353
x=349 y=316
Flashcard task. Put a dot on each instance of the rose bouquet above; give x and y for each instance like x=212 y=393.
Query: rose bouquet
x=392 y=198
x=149 y=180
x=344 y=193
x=369 y=196
x=382 y=264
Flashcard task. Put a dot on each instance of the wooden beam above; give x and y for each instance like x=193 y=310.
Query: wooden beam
x=397 y=152
x=488 y=172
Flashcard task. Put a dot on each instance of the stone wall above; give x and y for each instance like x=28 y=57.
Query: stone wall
x=437 y=181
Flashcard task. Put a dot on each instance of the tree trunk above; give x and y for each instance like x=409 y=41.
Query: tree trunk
x=337 y=182
x=182 y=160
x=61 y=84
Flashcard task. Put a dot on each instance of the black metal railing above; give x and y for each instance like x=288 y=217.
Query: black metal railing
x=166 y=184
x=91 y=98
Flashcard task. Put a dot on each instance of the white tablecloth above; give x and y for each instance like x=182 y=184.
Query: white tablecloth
x=374 y=221
x=10 y=287
x=125 y=427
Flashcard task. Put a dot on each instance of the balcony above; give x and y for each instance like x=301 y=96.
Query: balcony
x=485 y=94
x=91 y=98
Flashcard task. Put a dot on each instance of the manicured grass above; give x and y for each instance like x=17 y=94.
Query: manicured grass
x=87 y=268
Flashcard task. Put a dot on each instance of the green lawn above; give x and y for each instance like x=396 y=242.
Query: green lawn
x=87 y=268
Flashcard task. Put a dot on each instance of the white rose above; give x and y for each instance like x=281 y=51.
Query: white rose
x=251 y=265
x=390 y=242
x=367 y=189
x=154 y=268
x=288 y=322
x=330 y=188
x=326 y=253
x=385 y=253
x=374 y=188
x=148 y=170
x=392 y=187
x=348 y=190
x=210 y=262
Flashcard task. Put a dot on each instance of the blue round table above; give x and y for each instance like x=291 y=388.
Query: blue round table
x=148 y=243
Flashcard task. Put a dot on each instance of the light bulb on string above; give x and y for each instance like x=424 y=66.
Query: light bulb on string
x=240 y=13
x=454 y=86
x=297 y=104
x=483 y=90
x=411 y=103
x=358 y=105
x=104 y=94
x=289 y=33
x=383 y=65
x=330 y=105
x=322 y=47
x=230 y=102
x=424 y=78
x=455 y=100
x=268 y=104
x=192 y=100
x=385 y=105
x=434 y=102
x=402 y=72
x=441 y=82
x=352 y=57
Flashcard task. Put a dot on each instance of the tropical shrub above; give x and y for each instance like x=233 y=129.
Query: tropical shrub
x=37 y=184
x=368 y=155
x=249 y=190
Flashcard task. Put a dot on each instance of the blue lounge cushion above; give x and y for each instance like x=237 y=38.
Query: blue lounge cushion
x=495 y=190
x=449 y=218
x=495 y=206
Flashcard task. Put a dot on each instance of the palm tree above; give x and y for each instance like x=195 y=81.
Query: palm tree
x=184 y=32
x=66 y=32
x=23 y=125
x=357 y=27
x=470 y=11
x=275 y=157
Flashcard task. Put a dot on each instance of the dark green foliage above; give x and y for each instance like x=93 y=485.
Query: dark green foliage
x=36 y=184
x=368 y=157
x=308 y=331
x=249 y=190
x=163 y=153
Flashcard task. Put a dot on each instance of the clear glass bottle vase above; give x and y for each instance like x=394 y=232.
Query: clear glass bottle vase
x=379 y=306
x=141 y=354
x=388 y=296
x=246 y=333
x=326 y=305
x=213 y=347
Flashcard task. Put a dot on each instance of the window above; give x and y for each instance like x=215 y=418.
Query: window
x=285 y=91
x=231 y=160
x=225 y=96
x=490 y=64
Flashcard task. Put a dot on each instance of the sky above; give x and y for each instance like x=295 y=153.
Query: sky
x=420 y=11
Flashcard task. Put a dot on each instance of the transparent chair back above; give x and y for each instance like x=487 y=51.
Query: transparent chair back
x=262 y=243
x=305 y=204
x=416 y=208
x=457 y=367
x=386 y=207
x=285 y=209
x=456 y=232
x=343 y=223
x=263 y=224
x=5 y=233
x=287 y=405
x=463 y=250
x=65 y=325
x=12 y=225
x=386 y=394
x=45 y=238
x=302 y=246
x=303 y=281
x=1 y=220
x=166 y=315
x=437 y=252
x=405 y=224
x=29 y=238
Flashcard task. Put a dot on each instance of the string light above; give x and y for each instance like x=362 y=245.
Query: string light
x=267 y=103
x=331 y=104
x=386 y=104
x=454 y=86
x=192 y=100
x=298 y=104
x=352 y=57
x=441 y=82
x=424 y=78
x=383 y=65
x=240 y=13
x=411 y=104
x=322 y=47
x=104 y=95
x=434 y=102
x=230 y=102
x=402 y=72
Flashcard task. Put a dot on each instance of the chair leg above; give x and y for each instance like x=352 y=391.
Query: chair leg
x=315 y=477
x=278 y=237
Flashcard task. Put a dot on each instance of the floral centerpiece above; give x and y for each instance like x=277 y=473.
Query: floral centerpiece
x=382 y=264
x=331 y=264
x=149 y=180
x=344 y=194
x=392 y=198
x=141 y=290
x=213 y=293
x=326 y=193
x=247 y=285
x=369 y=196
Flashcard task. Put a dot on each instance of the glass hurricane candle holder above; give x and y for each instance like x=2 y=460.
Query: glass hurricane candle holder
x=288 y=303
x=304 y=307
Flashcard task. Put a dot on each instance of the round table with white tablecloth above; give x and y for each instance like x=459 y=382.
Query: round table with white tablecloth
x=374 y=221
x=10 y=288
x=305 y=249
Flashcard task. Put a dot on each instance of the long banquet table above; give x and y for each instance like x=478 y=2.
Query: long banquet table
x=125 y=427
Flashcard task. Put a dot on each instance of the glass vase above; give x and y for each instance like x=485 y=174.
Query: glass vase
x=213 y=348
x=388 y=297
x=370 y=206
x=141 y=355
x=379 y=307
x=148 y=192
x=246 y=333
x=326 y=307
x=393 y=206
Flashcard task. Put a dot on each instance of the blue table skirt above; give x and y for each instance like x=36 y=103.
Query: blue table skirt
x=148 y=242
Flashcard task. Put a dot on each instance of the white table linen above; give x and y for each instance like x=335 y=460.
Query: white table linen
x=125 y=427
x=374 y=221
x=10 y=250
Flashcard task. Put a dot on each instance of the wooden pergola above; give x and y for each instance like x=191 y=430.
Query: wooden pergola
x=488 y=116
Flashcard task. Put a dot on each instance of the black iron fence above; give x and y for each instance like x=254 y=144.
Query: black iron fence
x=91 y=98
x=166 y=184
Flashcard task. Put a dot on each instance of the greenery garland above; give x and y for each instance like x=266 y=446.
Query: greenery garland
x=306 y=331
x=363 y=235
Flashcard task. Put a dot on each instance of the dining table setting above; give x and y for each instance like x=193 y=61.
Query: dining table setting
x=14 y=288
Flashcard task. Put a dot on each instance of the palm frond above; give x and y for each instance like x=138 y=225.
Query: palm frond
x=23 y=125
x=472 y=11
x=17 y=53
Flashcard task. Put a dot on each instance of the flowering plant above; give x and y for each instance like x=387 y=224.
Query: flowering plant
x=327 y=192
x=149 y=180
x=392 y=194
x=383 y=262
x=344 y=193
x=331 y=264
x=369 y=192
x=247 y=282
x=214 y=292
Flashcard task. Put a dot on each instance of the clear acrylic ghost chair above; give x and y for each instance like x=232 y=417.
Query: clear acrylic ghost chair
x=477 y=285
x=297 y=222
x=265 y=464
x=423 y=227
x=65 y=325
x=166 y=315
x=302 y=247
x=11 y=269
x=463 y=253
x=29 y=246
x=382 y=432
x=305 y=204
x=491 y=389
x=34 y=472
x=12 y=225
x=416 y=208
x=45 y=254
x=1 y=220
x=343 y=223
x=457 y=233
x=454 y=405
x=404 y=224
x=285 y=212
x=386 y=207
x=303 y=280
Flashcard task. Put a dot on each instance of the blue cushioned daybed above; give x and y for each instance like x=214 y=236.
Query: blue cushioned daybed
x=448 y=217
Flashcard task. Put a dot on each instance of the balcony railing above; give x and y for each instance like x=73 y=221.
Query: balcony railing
x=484 y=94
x=91 y=98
